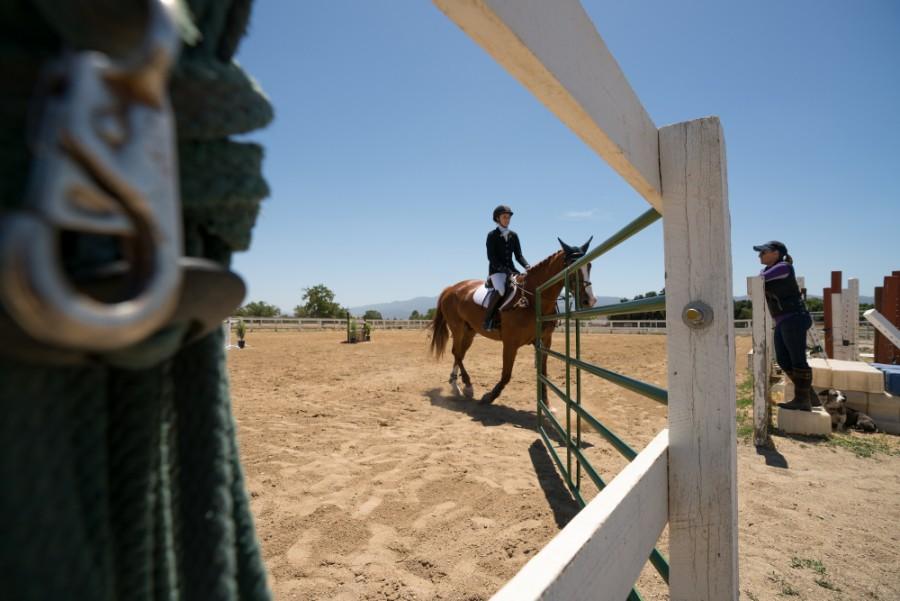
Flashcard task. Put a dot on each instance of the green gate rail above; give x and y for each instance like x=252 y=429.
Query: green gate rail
x=573 y=405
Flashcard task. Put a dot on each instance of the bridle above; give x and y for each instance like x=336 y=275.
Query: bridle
x=586 y=283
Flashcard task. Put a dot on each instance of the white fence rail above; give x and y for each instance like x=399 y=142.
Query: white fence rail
x=742 y=327
x=598 y=326
x=599 y=554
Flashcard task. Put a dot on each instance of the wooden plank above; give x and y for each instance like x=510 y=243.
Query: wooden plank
x=827 y=317
x=850 y=319
x=703 y=448
x=553 y=49
x=891 y=311
x=837 y=280
x=600 y=553
x=761 y=362
x=837 y=326
x=887 y=329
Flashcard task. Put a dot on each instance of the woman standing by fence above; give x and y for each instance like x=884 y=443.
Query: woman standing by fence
x=791 y=318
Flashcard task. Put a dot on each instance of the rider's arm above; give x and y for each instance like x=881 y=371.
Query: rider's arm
x=494 y=255
x=517 y=250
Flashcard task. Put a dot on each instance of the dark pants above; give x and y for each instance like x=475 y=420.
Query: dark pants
x=790 y=341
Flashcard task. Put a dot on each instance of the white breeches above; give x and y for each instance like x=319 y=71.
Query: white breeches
x=499 y=282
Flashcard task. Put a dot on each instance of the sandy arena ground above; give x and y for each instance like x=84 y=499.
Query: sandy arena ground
x=370 y=481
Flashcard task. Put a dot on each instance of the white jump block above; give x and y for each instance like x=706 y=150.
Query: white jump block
x=815 y=422
x=884 y=408
x=846 y=375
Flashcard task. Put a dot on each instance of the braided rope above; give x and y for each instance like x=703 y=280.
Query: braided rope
x=126 y=484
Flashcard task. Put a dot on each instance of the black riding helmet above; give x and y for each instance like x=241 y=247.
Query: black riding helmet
x=500 y=210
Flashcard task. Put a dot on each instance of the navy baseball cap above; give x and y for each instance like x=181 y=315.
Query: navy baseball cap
x=772 y=245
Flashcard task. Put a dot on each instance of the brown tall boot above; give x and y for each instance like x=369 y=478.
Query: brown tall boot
x=802 y=379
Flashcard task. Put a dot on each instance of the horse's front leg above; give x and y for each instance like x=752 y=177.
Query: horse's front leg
x=509 y=359
x=454 y=386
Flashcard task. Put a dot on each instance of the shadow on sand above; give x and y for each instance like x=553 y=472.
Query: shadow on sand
x=772 y=456
x=493 y=414
x=558 y=497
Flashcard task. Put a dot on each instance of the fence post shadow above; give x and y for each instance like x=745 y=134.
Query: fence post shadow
x=558 y=497
x=772 y=456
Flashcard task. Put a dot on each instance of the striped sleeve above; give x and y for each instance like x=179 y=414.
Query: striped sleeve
x=779 y=271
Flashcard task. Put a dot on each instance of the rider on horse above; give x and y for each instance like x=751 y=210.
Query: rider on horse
x=502 y=244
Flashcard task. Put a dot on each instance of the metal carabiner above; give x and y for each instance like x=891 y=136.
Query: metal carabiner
x=105 y=166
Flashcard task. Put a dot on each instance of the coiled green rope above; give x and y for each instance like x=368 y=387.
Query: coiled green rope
x=126 y=484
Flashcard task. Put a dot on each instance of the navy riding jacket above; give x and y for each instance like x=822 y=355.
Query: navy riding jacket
x=782 y=292
x=500 y=252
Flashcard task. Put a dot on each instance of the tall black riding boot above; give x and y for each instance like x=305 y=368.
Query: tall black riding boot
x=491 y=309
x=802 y=378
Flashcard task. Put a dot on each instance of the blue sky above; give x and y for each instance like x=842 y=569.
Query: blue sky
x=395 y=136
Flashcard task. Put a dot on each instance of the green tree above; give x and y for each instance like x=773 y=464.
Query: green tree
x=654 y=315
x=319 y=302
x=815 y=304
x=743 y=309
x=430 y=313
x=258 y=309
x=415 y=314
x=372 y=314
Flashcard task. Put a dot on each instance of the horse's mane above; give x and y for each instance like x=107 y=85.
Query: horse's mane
x=541 y=264
x=538 y=271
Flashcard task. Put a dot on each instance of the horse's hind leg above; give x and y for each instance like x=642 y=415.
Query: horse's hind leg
x=458 y=334
x=459 y=352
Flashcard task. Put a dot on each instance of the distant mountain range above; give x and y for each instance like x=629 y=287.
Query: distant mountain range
x=402 y=309
x=398 y=309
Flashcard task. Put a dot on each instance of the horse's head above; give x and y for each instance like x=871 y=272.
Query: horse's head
x=580 y=280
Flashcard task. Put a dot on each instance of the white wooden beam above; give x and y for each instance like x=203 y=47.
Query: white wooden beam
x=599 y=554
x=553 y=49
x=883 y=325
x=702 y=439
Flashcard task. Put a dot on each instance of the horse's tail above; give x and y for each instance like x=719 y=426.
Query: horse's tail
x=440 y=333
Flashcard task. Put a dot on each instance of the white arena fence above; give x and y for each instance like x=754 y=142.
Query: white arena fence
x=597 y=326
x=293 y=324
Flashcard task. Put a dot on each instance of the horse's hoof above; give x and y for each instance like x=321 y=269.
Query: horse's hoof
x=469 y=391
x=487 y=399
x=455 y=388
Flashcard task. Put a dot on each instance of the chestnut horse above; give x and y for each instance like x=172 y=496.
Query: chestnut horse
x=460 y=316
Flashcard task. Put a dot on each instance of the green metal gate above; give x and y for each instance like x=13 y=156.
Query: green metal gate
x=575 y=413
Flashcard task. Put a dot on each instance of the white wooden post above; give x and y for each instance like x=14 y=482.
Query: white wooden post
x=762 y=361
x=850 y=319
x=226 y=326
x=837 y=325
x=702 y=438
